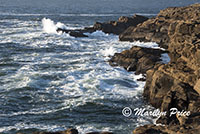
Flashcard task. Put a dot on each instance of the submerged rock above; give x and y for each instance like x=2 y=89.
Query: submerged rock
x=73 y=33
x=77 y=34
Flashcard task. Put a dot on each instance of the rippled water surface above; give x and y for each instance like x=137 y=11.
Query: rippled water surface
x=51 y=81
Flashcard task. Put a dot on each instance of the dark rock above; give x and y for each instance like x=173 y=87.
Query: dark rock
x=137 y=59
x=141 y=79
x=117 y=27
x=63 y=30
x=77 y=34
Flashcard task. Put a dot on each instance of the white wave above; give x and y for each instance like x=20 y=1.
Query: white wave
x=146 y=14
x=108 y=51
x=98 y=34
x=83 y=129
x=50 y=27
x=147 y=44
x=23 y=125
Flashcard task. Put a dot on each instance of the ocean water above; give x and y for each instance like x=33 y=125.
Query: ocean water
x=51 y=81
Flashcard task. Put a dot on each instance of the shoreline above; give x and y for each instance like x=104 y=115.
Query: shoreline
x=168 y=85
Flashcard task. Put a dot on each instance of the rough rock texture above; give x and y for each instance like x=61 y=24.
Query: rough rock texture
x=152 y=30
x=137 y=59
x=177 y=83
x=117 y=27
x=156 y=29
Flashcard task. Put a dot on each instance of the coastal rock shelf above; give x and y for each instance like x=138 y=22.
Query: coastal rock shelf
x=137 y=59
x=177 y=83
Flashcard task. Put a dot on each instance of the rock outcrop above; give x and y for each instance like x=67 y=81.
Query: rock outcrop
x=177 y=83
x=156 y=29
x=137 y=59
x=117 y=27
x=111 y=27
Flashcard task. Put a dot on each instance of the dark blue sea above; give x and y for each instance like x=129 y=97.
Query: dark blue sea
x=52 y=81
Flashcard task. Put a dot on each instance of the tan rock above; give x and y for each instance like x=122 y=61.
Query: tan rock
x=197 y=86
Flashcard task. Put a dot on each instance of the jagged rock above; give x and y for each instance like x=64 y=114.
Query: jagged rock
x=117 y=27
x=137 y=59
x=152 y=30
x=156 y=29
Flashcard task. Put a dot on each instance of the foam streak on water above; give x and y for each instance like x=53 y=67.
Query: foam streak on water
x=54 y=81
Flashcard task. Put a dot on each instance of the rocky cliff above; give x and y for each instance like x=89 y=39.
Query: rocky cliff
x=177 y=83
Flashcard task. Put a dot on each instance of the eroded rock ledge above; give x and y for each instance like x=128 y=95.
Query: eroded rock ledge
x=177 y=83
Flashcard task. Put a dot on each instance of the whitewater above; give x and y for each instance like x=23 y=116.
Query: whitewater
x=51 y=81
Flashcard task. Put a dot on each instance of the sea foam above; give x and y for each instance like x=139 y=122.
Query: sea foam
x=50 y=27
